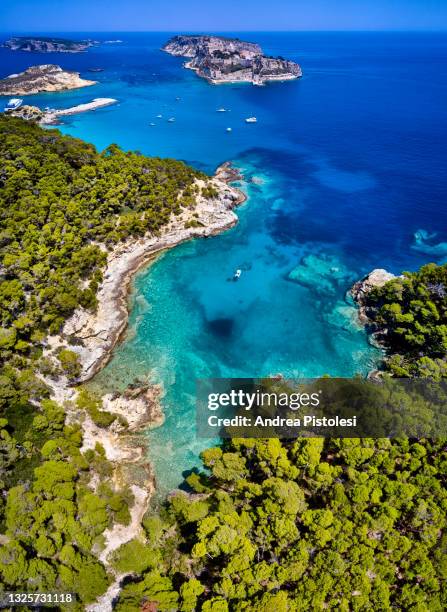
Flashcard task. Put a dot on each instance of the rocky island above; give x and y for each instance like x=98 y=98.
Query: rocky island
x=228 y=60
x=44 y=44
x=47 y=77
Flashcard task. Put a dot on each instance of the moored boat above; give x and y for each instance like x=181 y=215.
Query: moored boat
x=13 y=104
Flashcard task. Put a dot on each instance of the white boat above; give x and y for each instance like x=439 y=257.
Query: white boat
x=152 y=124
x=171 y=120
x=237 y=274
x=13 y=104
x=159 y=116
x=221 y=110
x=251 y=120
x=229 y=129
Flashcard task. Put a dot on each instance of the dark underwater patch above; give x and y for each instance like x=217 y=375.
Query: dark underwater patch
x=223 y=328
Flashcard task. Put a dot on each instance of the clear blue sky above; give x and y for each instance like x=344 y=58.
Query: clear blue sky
x=231 y=15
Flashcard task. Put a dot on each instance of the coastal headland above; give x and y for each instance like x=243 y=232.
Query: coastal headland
x=229 y=60
x=99 y=332
x=361 y=289
x=45 y=77
x=360 y=292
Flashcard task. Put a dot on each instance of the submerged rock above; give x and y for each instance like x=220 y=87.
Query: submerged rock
x=425 y=242
x=321 y=273
x=344 y=316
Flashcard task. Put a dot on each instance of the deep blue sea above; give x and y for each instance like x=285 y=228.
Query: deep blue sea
x=345 y=171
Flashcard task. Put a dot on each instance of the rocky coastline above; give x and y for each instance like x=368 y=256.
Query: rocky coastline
x=42 y=78
x=125 y=448
x=229 y=60
x=359 y=292
x=93 y=336
x=96 y=335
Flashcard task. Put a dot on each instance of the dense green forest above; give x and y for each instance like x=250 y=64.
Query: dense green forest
x=62 y=204
x=311 y=524
x=410 y=315
x=269 y=525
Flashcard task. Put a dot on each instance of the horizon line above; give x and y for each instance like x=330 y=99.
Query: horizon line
x=285 y=31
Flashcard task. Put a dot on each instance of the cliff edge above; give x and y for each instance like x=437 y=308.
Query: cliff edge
x=230 y=60
x=360 y=290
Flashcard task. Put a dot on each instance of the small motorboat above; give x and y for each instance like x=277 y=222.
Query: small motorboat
x=229 y=129
x=13 y=104
x=159 y=116
x=237 y=274
x=152 y=124
x=221 y=110
x=251 y=120
x=171 y=120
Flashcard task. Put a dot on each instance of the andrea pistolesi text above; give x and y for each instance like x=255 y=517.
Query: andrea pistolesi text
x=310 y=421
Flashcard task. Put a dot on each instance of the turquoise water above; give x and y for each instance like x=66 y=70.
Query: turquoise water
x=189 y=320
x=345 y=171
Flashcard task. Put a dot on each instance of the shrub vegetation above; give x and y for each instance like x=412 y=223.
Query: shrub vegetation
x=62 y=205
x=412 y=310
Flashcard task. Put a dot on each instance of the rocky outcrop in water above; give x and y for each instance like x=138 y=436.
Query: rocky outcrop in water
x=47 y=77
x=378 y=335
x=227 y=60
x=360 y=290
x=44 y=44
